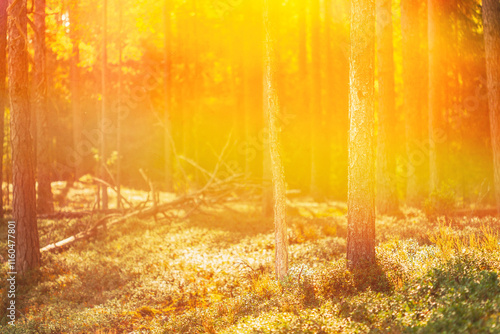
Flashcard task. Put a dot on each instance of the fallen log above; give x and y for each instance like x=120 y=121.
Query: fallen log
x=212 y=193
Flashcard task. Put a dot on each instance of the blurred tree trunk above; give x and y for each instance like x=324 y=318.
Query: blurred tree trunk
x=184 y=43
x=23 y=169
x=169 y=186
x=414 y=92
x=197 y=89
x=361 y=187
x=436 y=87
x=330 y=106
x=119 y=110
x=75 y=89
x=303 y=83
x=491 y=21
x=252 y=89
x=386 y=199
x=267 y=171
x=338 y=75
x=272 y=109
x=3 y=91
x=45 y=200
x=319 y=156
x=104 y=88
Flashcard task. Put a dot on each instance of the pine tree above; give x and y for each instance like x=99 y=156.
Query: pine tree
x=361 y=185
x=272 y=109
x=45 y=200
x=3 y=92
x=387 y=201
x=23 y=168
x=414 y=100
x=491 y=21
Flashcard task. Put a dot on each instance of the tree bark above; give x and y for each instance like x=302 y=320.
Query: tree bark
x=386 y=199
x=361 y=188
x=3 y=91
x=491 y=21
x=23 y=169
x=272 y=109
x=45 y=201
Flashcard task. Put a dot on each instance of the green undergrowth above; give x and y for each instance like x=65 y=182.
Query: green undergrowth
x=213 y=273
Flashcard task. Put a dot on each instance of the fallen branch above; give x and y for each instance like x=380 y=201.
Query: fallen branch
x=102 y=182
x=214 y=193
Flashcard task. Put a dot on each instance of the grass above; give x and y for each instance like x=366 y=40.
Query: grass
x=214 y=274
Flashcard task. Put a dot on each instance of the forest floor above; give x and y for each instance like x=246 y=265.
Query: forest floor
x=213 y=273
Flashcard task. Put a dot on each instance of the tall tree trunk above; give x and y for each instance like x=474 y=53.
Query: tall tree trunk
x=75 y=89
x=23 y=168
x=303 y=81
x=330 y=105
x=361 y=184
x=386 y=199
x=45 y=201
x=267 y=171
x=104 y=101
x=267 y=168
x=436 y=86
x=491 y=21
x=119 y=111
x=3 y=92
x=169 y=184
x=413 y=95
x=272 y=109
x=197 y=89
x=252 y=89
x=319 y=158
x=339 y=76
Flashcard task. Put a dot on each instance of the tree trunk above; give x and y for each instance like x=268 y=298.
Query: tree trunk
x=339 y=118
x=197 y=89
x=319 y=155
x=303 y=81
x=169 y=184
x=414 y=92
x=386 y=199
x=104 y=78
x=272 y=109
x=267 y=173
x=23 y=169
x=75 y=90
x=45 y=202
x=491 y=21
x=119 y=111
x=361 y=199
x=436 y=86
x=254 y=120
x=3 y=92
